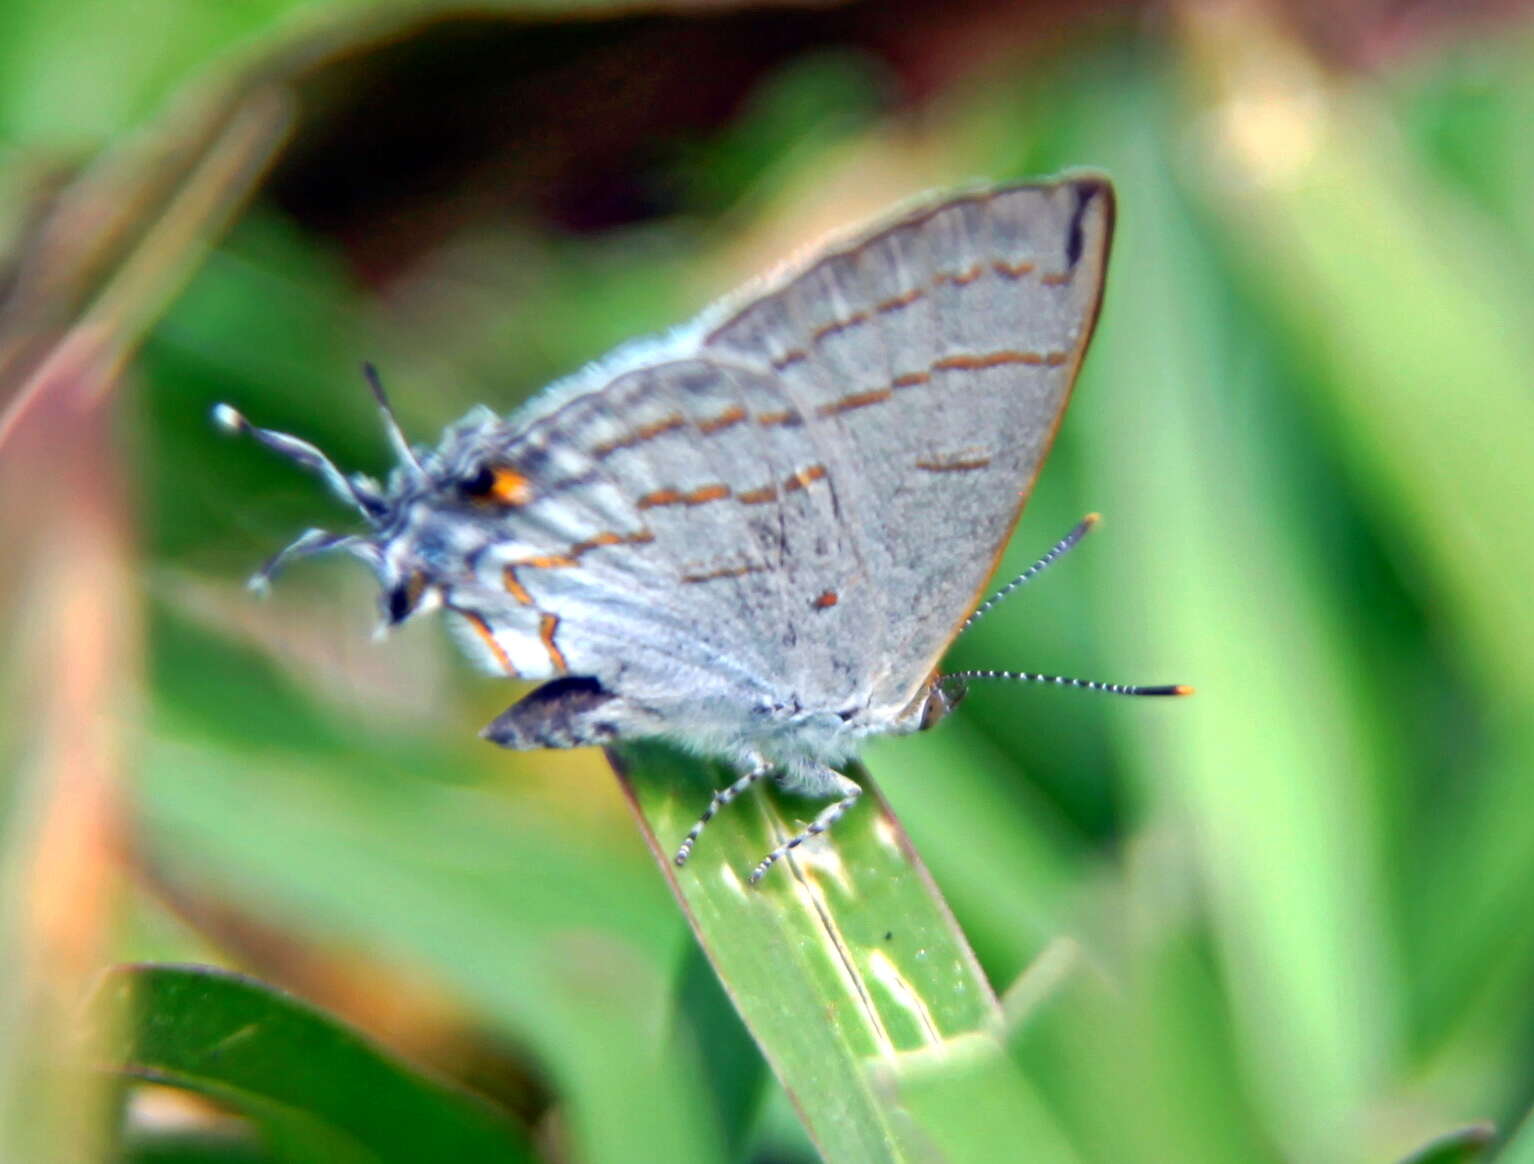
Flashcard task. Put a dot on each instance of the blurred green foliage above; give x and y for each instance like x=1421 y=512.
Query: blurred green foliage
x=1297 y=902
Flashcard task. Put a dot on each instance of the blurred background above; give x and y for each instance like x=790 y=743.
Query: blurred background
x=1308 y=418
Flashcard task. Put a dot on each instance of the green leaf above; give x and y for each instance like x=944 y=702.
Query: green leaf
x=1461 y=1146
x=316 y=1088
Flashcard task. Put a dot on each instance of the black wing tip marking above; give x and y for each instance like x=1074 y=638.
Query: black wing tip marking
x=1087 y=191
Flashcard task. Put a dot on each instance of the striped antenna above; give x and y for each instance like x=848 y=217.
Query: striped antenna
x=396 y=434
x=963 y=678
x=349 y=490
x=306 y=545
x=1056 y=552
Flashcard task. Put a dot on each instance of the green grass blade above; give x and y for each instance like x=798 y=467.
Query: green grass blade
x=841 y=962
x=972 y=1103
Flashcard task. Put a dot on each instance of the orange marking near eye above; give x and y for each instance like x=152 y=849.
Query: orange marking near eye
x=509 y=487
x=855 y=400
x=803 y=477
x=730 y=416
x=482 y=629
x=547 y=625
x=825 y=600
x=514 y=586
x=1055 y=278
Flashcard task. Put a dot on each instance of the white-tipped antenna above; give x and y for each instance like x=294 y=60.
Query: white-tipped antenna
x=1056 y=552
x=401 y=446
x=306 y=545
x=307 y=455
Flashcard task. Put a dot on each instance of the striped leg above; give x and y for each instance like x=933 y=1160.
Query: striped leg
x=721 y=798
x=849 y=793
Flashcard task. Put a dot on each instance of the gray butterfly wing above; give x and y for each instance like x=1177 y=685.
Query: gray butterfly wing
x=932 y=360
x=671 y=496
x=795 y=502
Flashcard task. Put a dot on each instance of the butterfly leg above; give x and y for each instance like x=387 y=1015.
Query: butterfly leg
x=849 y=793
x=758 y=769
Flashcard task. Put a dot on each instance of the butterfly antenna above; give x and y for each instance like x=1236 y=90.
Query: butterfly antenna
x=1056 y=552
x=401 y=446
x=351 y=491
x=961 y=679
x=306 y=545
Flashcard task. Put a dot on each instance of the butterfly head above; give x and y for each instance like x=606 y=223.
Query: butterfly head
x=426 y=524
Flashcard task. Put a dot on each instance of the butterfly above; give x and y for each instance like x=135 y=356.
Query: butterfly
x=756 y=535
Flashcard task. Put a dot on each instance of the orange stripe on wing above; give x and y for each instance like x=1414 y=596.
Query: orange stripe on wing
x=855 y=400
x=482 y=629
x=699 y=496
x=547 y=625
x=803 y=477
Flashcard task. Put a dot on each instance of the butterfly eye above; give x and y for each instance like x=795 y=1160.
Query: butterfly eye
x=497 y=483
x=478 y=485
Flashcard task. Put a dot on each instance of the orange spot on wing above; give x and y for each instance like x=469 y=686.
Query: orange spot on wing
x=825 y=600
x=758 y=496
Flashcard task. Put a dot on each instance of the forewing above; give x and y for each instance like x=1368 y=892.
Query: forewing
x=931 y=362
x=801 y=498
